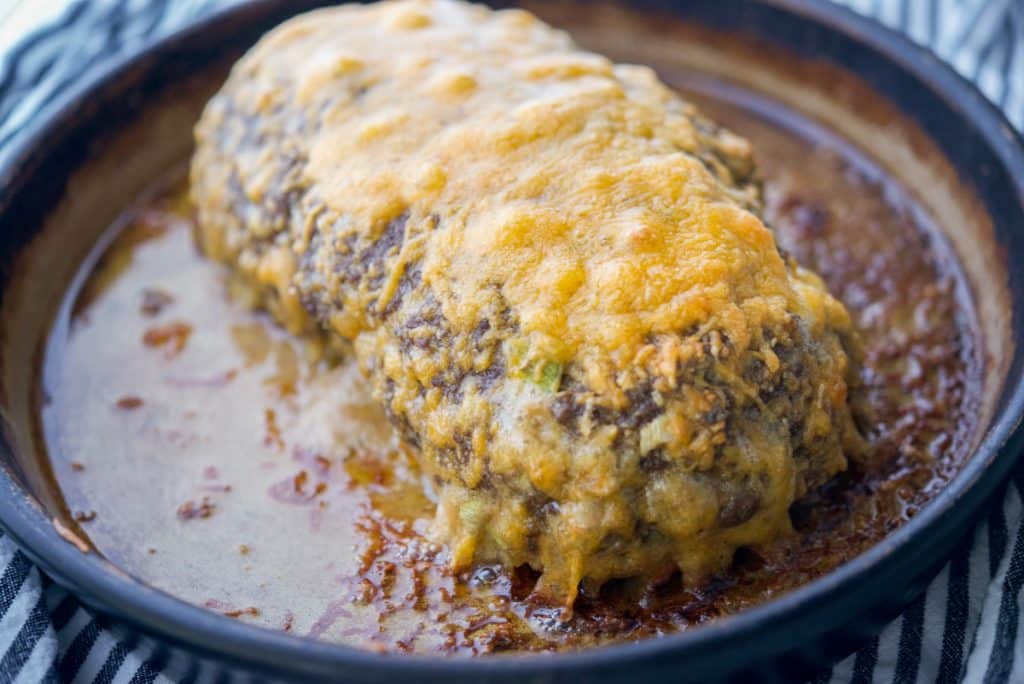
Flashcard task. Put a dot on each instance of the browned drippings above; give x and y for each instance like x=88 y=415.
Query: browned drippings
x=264 y=484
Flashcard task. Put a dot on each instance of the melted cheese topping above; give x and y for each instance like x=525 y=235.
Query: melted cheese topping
x=579 y=235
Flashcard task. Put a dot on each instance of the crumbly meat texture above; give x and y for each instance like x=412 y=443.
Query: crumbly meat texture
x=553 y=271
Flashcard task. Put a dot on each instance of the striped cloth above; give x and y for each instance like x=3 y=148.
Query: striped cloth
x=963 y=629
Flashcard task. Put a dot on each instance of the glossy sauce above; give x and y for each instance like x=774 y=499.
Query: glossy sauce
x=215 y=457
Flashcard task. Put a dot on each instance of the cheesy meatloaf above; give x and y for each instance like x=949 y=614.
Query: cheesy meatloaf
x=552 y=270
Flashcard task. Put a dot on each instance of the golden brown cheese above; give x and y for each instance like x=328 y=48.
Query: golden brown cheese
x=554 y=273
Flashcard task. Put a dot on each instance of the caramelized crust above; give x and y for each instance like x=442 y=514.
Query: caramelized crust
x=553 y=271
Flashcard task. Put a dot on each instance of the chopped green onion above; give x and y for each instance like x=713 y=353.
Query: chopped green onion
x=550 y=376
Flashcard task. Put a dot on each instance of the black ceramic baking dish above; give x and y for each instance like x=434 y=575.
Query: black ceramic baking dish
x=89 y=155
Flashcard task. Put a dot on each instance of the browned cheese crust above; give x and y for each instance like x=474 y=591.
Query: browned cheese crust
x=552 y=270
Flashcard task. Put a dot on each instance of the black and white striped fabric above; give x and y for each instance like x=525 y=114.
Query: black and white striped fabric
x=967 y=627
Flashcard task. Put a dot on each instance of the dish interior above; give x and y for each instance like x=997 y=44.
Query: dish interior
x=207 y=453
